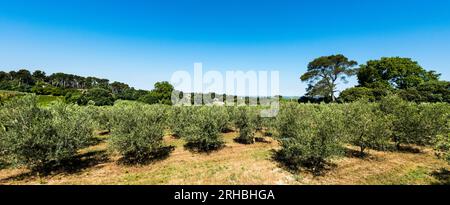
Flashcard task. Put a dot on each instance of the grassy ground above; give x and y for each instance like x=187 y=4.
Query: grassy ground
x=6 y=94
x=240 y=164
x=43 y=100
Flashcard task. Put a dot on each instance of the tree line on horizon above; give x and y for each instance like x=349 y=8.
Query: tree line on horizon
x=72 y=86
x=376 y=79
x=85 y=90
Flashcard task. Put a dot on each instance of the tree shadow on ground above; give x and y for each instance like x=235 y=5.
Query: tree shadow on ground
x=103 y=132
x=442 y=175
x=201 y=148
x=262 y=140
x=96 y=141
x=409 y=149
x=243 y=141
x=316 y=167
x=268 y=134
x=413 y=149
x=353 y=153
x=227 y=130
x=69 y=166
x=159 y=155
x=3 y=164
x=175 y=136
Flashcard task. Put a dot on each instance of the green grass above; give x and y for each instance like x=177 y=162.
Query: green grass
x=240 y=164
x=6 y=94
x=45 y=100
x=417 y=175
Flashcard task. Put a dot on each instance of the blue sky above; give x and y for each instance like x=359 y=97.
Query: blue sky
x=141 y=42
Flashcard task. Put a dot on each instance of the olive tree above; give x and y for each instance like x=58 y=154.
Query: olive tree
x=203 y=133
x=41 y=138
x=246 y=126
x=180 y=118
x=413 y=123
x=138 y=131
x=309 y=135
x=366 y=126
x=226 y=123
x=442 y=147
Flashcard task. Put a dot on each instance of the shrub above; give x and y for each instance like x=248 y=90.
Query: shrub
x=42 y=138
x=442 y=147
x=309 y=135
x=73 y=96
x=257 y=119
x=7 y=95
x=367 y=127
x=149 y=98
x=42 y=88
x=180 y=118
x=3 y=160
x=415 y=124
x=99 y=96
x=162 y=94
x=101 y=117
x=269 y=126
x=246 y=126
x=203 y=133
x=359 y=93
x=226 y=123
x=233 y=116
x=137 y=132
x=434 y=121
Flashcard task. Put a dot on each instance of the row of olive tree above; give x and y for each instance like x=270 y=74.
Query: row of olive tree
x=201 y=126
x=309 y=134
x=312 y=134
x=41 y=138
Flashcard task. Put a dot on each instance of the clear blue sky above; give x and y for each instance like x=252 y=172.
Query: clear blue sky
x=141 y=42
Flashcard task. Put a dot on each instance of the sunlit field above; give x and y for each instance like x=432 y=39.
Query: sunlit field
x=389 y=142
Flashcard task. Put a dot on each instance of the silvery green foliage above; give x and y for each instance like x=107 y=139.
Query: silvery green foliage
x=3 y=156
x=268 y=125
x=40 y=138
x=101 y=117
x=366 y=126
x=442 y=147
x=309 y=134
x=435 y=119
x=226 y=123
x=246 y=125
x=413 y=123
x=203 y=133
x=179 y=118
x=233 y=116
x=138 y=130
